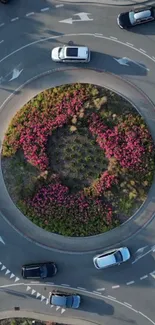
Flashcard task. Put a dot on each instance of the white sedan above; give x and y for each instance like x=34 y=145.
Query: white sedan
x=111 y=257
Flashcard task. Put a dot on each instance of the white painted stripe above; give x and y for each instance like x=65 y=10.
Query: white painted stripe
x=131 y=282
x=42 y=298
x=3 y=268
x=33 y=291
x=2 y=24
x=58 y=6
x=126 y=303
x=62 y=310
x=101 y=289
x=38 y=294
x=97 y=34
x=143 y=50
x=44 y=9
x=52 y=306
x=153 y=59
x=57 y=308
x=34 y=282
x=16 y=279
x=144 y=277
x=147 y=317
x=7 y=271
x=14 y=19
x=47 y=301
x=98 y=293
x=28 y=288
x=129 y=44
x=29 y=14
x=115 y=287
x=65 y=285
x=153 y=274
x=115 y=38
x=81 y=288
x=112 y=297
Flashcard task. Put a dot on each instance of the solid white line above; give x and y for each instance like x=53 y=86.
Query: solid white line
x=129 y=44
x=138 y=258
x=14 y=19
x=126 y=303
x=143 y=50
x=29 y=14
x=44 y=9
x=65 y=285
x=131 y=282
x=115 y=38
x=1 y=41
x=112 y=297
x=147 y=317
x=81 y=288
x=34 y=282
x=2 y=24
x=115 y=287
x=153 y=59
x=97 y=34
x=98 y=293
x=58 y=6
x=144 y=277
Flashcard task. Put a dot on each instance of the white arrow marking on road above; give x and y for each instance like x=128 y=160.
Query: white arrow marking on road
x=140 y=250
x=42 y=298
x=3 y=268
x=83 y=17
x=16 y=279
x=12 y=275
x=142 y=255
x=38 y=294
x=15 y=74
x=122 y=61
x=2 y=241
x=28 y=288
x=7 y=271
x=62 y=310
x=33 y=291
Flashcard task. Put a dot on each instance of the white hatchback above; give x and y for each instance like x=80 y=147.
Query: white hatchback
x=111 y=257
x=71 y=54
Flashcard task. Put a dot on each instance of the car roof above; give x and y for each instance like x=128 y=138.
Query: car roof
x=106 y=260
x=77 y=51
x=58 y=300
x=142 y=14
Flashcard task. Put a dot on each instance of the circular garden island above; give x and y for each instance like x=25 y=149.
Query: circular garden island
x=78 y=160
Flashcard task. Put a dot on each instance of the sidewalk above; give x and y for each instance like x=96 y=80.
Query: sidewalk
x=112 y=2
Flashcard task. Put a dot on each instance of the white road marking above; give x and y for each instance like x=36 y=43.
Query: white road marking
x=14 y=19
x=3 y=268
x=58 y=6
x=52 y=306
x=28 y=288
x=7 y=271
x=143 y=50
x=138 y=258
x=33 y=291
x=81 y=288
x=57 y=308
x=29 y=14
x=15 y=74
x=147 y=317
x=112 y=37
x=129 y=283
x=83 y=17
x=153 y=57
x=1 y=43
x=2 y=24
x=47 y=301
x=65 y=285
x=62 y=310
x=38 y=294
x=153 y=274
x=16 y=279
x=129 y=44
x=97 y=34
x=111 y=297
x=34 y=282
x=98 y=293
x=44 y=9
x=115 y=287
x=42 y=298
x=126 y=303
x=144 y=277
x=12 y=275
x=101 y=289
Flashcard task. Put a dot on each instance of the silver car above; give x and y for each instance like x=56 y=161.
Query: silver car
x=111 y=257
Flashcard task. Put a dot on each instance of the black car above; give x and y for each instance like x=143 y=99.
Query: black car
x=135 y=17
x=39 y=270
x=4 y=1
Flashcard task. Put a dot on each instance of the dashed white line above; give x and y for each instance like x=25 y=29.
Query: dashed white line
x=81 y=288
x=58 y=6
x=44 y=9
x=144 y=277
x=111 y=297
x=2 y=24
x=29 y=14
x=115 y=38
x=126 y=303
x=115 y=287
x=129 y=44
x=101 y=289
x=143 y=50
x=65 y=285
x=98 y=293
x=1 y=41
x=131 y=282
x=14 y=19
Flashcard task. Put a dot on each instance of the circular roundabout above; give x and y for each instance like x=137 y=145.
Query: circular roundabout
x=128 y=81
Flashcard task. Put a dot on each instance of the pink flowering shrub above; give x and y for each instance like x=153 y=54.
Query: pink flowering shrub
x=105 y=182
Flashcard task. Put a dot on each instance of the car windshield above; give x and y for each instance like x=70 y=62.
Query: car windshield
x=69 y=301
x=118 y=257
x=132 y=17
x=43 y=271
x=61 y=53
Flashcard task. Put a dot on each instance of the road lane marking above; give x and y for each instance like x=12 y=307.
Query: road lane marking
x=144 y=277
x=98 y=34
x=149 y=319
x=2 y=24
x=29 y=14
x=143 y=50
x=58 y=6
x=114 y=38
x=14 y=19
x=81 y=288
x=65 y=285
x=98 y=293
x=44 y=9
x=101 y=289
x=129 y=44
x=129 y=283
x=153 y=274
x=126 y=303
x=115 y=287
x=111 y=297
x=28 y=288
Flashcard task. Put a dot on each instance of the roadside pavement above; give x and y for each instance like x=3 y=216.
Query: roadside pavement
x=113 y=2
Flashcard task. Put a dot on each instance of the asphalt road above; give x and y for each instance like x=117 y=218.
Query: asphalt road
x=27 y=34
